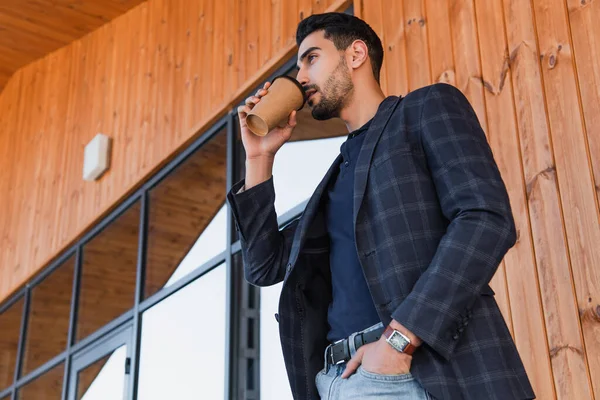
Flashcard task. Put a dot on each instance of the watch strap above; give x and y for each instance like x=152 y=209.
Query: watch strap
x=409 y=349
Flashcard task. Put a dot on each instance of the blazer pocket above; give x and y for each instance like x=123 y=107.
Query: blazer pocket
x=387 y=155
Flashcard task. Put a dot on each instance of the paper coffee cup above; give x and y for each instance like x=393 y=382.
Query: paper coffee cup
x=284 y=95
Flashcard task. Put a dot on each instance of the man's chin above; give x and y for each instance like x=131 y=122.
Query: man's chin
x=320 y=114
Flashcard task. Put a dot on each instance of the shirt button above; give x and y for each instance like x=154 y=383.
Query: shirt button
x=347 y=163
x=455 y=337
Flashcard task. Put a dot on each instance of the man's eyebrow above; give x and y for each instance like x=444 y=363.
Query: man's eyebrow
x=303 y=56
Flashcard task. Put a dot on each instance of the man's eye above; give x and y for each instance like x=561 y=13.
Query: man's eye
x=311 y=57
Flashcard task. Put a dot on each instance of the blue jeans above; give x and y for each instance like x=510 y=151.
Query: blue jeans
x=364 y=385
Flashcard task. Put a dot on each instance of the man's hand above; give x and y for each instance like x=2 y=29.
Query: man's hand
x=381 y=358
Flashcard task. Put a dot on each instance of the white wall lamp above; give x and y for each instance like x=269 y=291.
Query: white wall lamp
x=96 y=158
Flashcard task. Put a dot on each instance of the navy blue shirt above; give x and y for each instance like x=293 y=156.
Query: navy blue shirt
x=352 y=308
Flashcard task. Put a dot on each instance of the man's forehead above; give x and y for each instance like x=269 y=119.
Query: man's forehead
x=315 y=39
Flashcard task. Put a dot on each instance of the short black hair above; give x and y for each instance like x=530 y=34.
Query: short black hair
x=343 y=29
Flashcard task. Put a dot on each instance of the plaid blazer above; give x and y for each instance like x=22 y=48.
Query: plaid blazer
x=432 y=222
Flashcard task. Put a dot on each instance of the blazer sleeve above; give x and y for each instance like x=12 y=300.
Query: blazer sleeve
x=265 y=249
x=481 y=228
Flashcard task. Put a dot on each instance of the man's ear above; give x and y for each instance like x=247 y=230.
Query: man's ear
x=359 y=52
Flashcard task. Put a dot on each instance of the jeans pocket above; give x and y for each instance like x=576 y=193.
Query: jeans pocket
x=385 y=378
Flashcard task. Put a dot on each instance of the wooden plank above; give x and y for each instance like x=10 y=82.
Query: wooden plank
x=231 y=55
x=585 y=34
x=252 y=28
x=417 y=47
x=276 y=29
x=372 y=15
x=440 y=41
x=395 y=62
x=526 y=313
x=466 y=55
x=289 y=22
x=319 y=6
x=218 y=75
x=465 y=46
x=576 y=193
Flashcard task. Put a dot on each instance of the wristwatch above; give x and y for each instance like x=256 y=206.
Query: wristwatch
x=398 y=341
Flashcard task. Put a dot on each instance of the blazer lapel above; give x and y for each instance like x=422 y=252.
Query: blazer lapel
x=368 y=148
x=311 y=210
x=360 y=175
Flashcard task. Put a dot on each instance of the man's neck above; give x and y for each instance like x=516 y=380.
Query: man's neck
x=362 y=108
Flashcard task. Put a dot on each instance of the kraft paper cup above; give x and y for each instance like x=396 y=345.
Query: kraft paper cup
x=284 y=96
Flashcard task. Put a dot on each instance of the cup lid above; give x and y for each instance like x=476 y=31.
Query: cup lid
x=297 y=84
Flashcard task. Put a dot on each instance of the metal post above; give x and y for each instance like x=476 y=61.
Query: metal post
x=22 y=339
x=72 y=318
x=139 y=297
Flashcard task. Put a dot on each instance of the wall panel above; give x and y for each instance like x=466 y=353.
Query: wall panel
x=151 y=79
x=527 y=321
x=531 y=71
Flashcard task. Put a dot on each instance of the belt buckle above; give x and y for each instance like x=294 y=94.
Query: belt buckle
x=332 y=360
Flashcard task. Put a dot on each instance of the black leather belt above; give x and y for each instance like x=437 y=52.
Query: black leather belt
x=343 y=350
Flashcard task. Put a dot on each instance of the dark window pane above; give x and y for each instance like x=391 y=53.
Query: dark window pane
x=46 y=387
x=105 y=378
x=187 y=218
x=49 y=311
x=182 y=352
x=7 y=397
x=10 y=327
x=108 y=273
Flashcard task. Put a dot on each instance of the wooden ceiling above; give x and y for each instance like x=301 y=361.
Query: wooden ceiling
x=31 y=29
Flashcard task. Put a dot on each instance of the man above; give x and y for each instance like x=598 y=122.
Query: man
x=386 y=273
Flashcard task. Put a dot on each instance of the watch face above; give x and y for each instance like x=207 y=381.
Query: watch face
x=398 y=341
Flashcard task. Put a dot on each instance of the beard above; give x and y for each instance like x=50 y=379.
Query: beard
x=335 y=94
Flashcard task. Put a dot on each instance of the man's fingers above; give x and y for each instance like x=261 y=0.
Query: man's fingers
x=242 y=110
x=252 y=100
x=354 y=363
x=351 y=367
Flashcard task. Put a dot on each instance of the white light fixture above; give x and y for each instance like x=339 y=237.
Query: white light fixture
x=96 y=157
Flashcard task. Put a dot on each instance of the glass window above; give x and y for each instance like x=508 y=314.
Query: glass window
x=49 y=312
x=187 y=218
x=182 y=352
x=10 y=328
x=104 y=379
x=46 y=387
x=108 y=273
x=273 y=378
x=272 y=367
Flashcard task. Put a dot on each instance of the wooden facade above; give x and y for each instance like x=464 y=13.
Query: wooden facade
x=31 y=29
x=154 y=78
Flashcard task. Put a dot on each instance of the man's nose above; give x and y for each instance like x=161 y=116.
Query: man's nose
x=302 y=77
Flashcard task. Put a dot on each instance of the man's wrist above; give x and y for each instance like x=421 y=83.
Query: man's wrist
x=414 y=340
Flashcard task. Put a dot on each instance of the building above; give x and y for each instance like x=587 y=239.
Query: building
x=131 y=286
